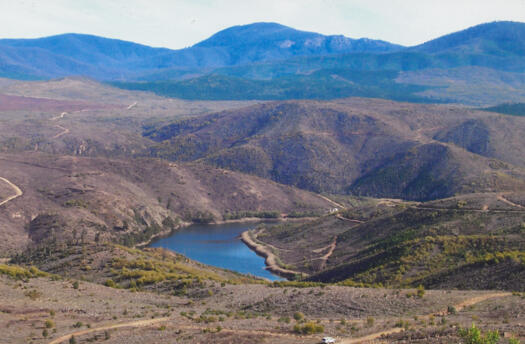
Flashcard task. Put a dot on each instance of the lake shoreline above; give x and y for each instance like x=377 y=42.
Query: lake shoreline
x=218 y=245
x=270 y=259
x=167 y=233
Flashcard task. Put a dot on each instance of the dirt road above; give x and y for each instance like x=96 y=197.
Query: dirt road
x=458 y=307
x=63 y=132
x=504 y=200
x=338 y=205
x=139 y=323
x=17 y=190
x=363 y=339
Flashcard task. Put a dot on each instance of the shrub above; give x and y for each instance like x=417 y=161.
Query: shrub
x=49 y=323
x=420 y=291
x=110 y=283
x=370 y=321
x=308 y=328
x=75 y=285
x=298 y=316
x=45 y=333
x=474 y=336
x=72 y=340
x=284 y=320
x=33 y=294
x=451 y=310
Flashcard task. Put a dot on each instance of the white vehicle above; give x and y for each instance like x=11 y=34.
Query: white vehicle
x=328 y=340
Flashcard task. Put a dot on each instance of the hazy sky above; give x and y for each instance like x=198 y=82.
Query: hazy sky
x=181 y=23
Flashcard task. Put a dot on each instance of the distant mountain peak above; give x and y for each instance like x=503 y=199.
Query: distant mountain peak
x=492 y=38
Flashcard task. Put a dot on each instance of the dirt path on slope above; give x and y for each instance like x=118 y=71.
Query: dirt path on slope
x=349 y=220
x=369 y=337
x=506 y=201
x=330 y=249
x=149 y=322
x=139 y=323
x=459 y=306
x=339 y=205
x=472 y=301
x=18 y=192
x=270 y=257
x=63 y=132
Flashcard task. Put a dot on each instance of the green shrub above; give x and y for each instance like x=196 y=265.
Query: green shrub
x=420 y=291
x=308 y=328
x=474 y=336
x=110 y=283
x=49 y=323
x=298 y=316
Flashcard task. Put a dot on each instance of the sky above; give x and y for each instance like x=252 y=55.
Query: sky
x=181 y=23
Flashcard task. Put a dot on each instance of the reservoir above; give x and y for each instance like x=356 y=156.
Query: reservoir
x=218 y=245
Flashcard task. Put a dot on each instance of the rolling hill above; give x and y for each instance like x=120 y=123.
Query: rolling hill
x=129 y=201
x=112 y=59
x=472 y=241
x=374 y=148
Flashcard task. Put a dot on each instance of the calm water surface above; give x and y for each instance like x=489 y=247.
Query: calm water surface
x=217 y=245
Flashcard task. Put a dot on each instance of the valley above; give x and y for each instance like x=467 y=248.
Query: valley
x=263 y=185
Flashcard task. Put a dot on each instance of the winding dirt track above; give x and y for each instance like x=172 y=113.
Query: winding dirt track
x=17 y=190
x=339 y=205
x=505 y=200
x=139 y=323
x=458 y=307
x=363 y=339
x=63 y=132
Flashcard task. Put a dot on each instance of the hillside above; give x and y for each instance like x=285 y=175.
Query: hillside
x=499 y=38
x=73 y=198
x=514 y=109
x=374 y=148
x=110 y=59
x=468 y=242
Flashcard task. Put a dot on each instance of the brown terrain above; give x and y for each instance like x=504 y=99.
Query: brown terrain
x=84 y=184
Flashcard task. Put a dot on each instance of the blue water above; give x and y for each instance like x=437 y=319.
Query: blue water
x=217 y=245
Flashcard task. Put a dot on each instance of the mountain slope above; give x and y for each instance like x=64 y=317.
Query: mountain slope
x=496 y=38
x=374 y=148
x=127 y=201
x=110 y=59
x=471 y=241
